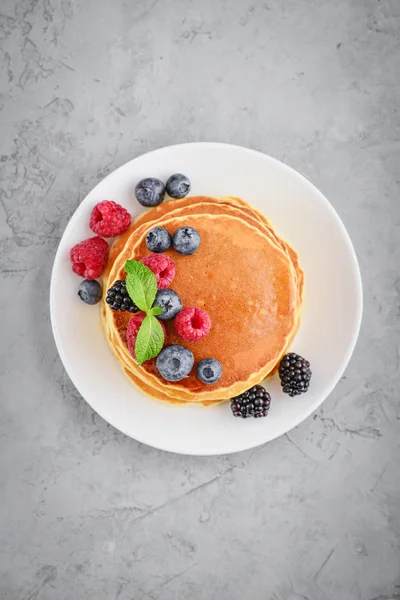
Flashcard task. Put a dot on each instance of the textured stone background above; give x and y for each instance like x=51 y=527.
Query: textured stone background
x=86 y=513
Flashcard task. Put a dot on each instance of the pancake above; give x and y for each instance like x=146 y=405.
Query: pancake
x=148 y=390
x=169 y=207
x=247 y=355
x=205 y=205
x=129 y=358
x=176 y=207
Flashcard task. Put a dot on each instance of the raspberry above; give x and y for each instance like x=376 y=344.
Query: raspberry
x=192 y=324
x=109 y=219
x=89 y=258
x=132 y=331
x=163 y=268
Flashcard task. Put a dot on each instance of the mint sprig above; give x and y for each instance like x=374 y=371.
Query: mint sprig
x=150 y=339
x=141 y=285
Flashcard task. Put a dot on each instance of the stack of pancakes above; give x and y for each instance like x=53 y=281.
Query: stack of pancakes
x=246 y=278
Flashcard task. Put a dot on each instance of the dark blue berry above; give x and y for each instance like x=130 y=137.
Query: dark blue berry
x=186 y=240
x=170 y=302
x=209 y=370
x=90 y=291
x=175 y=362
x=178 y=186
x=158 y=239
x=150 y=191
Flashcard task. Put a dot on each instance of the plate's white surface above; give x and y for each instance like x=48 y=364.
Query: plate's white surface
x=331 y=316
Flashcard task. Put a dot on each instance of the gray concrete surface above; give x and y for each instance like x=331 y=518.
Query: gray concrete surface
x=86 y=513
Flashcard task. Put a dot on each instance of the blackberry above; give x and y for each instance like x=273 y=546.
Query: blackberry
x=295 y=374
x=118 y=298
x=253 y=403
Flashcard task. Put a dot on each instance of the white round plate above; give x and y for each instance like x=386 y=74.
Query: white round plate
x=330 y=321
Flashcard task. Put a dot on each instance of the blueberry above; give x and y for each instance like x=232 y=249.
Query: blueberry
x=178 y=186
x=170 y=302
x=90 y=291
x=150 y=191
x=175 y=362
x=158 y=239
x=186 y=240
x=209 y=370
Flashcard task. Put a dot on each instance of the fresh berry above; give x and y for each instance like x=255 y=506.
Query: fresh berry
x=163 y=268
x=119 y=299
x=89 y=258
x=295 y=374
x=253 y=403
x=192 y=324
x=175 y=362
x=186 y=240
x=150 y=191
x=209 y=370
x=158 y=239
x=133 y=329
x=170 y=302
x=109 y=219
x=178 y=186
x=90 y=291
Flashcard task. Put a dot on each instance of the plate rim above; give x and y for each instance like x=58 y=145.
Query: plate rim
x=346 y=357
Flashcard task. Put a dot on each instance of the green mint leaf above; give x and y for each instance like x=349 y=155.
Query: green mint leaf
x=141 y=284
x=150 y=339
x=156 y=310
x=130 y=266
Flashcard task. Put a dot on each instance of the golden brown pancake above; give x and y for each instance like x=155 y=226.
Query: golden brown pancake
x=178 y=207
x=203 y=204
x=170 y=207
x=247 y=340
x=129 y=358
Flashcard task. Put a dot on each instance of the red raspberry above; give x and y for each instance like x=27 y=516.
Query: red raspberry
x=89 y=258
x=192 y=324
x=132 y=331
x=163 y=268
x=109 y=219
